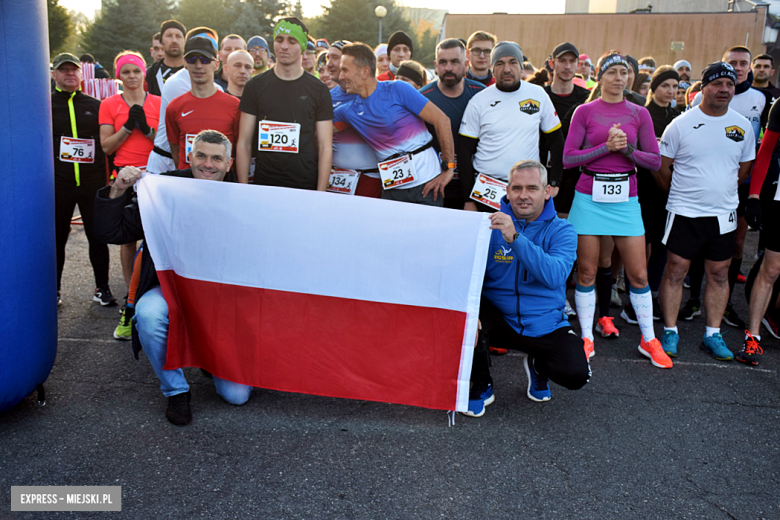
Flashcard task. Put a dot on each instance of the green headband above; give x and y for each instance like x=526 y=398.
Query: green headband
x=294 y=30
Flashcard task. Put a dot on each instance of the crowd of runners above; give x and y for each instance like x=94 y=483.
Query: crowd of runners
x=607 y=175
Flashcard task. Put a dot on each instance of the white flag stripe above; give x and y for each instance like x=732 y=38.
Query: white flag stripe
x=323 y=244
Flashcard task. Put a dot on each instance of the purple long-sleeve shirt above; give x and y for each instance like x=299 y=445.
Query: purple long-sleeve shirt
x=586 y=144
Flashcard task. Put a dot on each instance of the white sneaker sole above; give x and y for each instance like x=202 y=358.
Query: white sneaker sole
x=600 y=331
x=627 y=319
x=648 y=356
x=695 y=313
x=96 y=299
x=769 y=329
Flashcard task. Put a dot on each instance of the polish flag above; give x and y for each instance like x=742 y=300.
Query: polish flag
x=304 y=291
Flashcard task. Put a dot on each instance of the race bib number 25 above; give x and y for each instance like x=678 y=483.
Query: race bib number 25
x=488 y=191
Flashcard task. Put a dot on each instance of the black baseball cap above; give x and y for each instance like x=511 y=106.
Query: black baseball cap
x=200 y=45
x=563 y=48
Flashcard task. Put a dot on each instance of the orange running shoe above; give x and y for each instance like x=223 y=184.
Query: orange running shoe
x=655 y=352
x=606 y=327
x=590 y=350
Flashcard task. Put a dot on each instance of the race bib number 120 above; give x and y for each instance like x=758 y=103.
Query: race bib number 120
x=274 y=136
x=77 y=150
x=396 y=172
x=488 y=191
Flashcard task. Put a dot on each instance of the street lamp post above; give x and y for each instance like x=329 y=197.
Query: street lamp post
x=380 y=13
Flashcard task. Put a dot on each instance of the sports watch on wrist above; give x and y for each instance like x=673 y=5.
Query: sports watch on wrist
x=447 y=165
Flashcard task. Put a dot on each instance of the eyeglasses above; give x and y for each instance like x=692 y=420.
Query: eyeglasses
x=192 y=60
x=480 y=52
x=256 y=50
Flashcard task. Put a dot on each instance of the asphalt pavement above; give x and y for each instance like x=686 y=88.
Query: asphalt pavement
x=697 y=441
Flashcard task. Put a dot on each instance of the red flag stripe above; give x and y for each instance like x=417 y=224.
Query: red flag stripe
x=322 y=345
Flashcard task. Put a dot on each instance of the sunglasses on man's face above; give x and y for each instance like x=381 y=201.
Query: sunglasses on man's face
x=192 y=60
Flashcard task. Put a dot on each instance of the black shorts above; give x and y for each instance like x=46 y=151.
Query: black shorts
x=691 y=237
x=743 y=191
x=771 y=228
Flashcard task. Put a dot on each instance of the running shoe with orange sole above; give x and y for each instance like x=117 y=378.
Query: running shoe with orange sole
x=652 y=349
x=606 y=327
x=590 y=350
x=497 y=351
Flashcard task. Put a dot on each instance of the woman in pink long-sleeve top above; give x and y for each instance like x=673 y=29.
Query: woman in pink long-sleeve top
x=608 y=139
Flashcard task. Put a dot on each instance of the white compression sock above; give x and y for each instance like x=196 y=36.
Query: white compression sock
x=585 y=301
x=642 y=301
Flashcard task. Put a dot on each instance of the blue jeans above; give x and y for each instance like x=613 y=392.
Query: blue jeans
x=151 y=322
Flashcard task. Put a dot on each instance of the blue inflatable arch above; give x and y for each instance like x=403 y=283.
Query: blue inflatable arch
x=28 y=282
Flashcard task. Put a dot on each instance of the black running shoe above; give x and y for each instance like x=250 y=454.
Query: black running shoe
x=691 y=309
x=751 y=349
x=731 y=318
x=103 y=297
x=629 y=315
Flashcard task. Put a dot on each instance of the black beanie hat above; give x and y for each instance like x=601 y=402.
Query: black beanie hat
x=399 y=37
x=634 y=64
x=172 y=24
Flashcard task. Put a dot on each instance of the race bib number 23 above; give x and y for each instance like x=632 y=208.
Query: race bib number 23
x=396 y=172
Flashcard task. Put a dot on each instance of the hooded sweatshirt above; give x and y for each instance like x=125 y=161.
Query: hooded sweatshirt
x=526 y=280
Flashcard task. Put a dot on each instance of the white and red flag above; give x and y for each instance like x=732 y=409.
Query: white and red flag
x=309 y=292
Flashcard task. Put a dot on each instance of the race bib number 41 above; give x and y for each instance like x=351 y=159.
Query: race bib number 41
x=488 y=191
x=77 y=150
x=279 y=137
x=396 y=172
x=727 y=222
x=343 y=181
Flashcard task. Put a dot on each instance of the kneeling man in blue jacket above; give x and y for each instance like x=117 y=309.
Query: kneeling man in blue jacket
x=524 y=293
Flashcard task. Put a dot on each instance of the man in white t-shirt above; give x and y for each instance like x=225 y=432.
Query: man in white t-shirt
x=712 y=148
x=501 y=126
x=753 y=105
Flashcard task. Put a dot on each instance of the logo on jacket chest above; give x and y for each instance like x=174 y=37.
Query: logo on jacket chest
x=735 y=133
x=503 y=255
x=529 y=106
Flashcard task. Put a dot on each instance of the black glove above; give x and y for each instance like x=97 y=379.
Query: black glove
x=130 y=123
x=753 y=213
x=137 y=113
